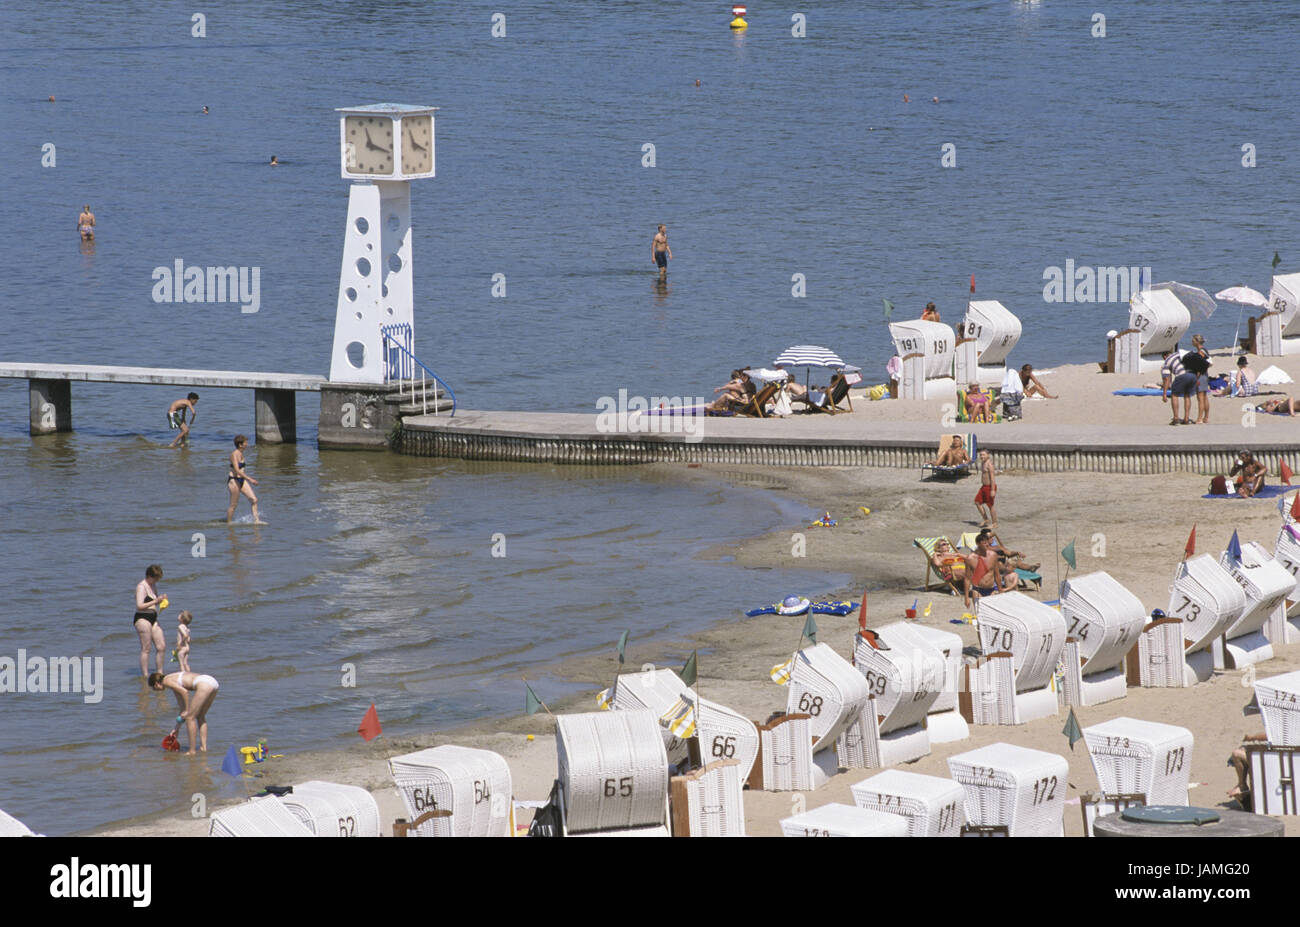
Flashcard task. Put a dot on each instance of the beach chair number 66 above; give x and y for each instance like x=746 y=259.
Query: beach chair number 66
x=618 y=787
x=810 y=704
x=724 y=746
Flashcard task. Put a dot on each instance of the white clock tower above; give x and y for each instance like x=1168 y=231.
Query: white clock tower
x=383 y=147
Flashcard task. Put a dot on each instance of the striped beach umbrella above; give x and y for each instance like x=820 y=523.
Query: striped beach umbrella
x=808 y=355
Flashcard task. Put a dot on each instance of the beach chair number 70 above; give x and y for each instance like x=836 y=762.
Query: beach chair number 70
x=618 y=787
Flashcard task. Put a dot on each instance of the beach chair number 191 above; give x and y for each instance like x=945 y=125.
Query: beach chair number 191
x=616 y=788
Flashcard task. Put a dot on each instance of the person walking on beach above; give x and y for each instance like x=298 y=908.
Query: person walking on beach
x=237 y=480
x=988 y=492
x=148 y=602
x=86 y=223
x=194 y=694
x=1177 y=383
x=1197 y=365
x=660 y=253
x=176 y=417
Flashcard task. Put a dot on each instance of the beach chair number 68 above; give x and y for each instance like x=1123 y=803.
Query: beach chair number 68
x=618 y=787
x=811 y=704
x=724 y=746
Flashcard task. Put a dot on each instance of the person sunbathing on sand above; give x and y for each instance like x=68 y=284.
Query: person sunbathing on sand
x=1252 y=474
x=947 y=561
x=1278 y=406
x=735 y=392
x=977 y=404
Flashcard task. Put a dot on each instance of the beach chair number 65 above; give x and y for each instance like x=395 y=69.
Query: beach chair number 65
x=810 y=704
x=724 y=746
x=615 y=788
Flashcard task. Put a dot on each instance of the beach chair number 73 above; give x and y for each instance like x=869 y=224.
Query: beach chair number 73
x=1189 y=605
x=615 y=788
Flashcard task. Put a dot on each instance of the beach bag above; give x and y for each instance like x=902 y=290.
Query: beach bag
x=1011 y=405
x=1219 y=486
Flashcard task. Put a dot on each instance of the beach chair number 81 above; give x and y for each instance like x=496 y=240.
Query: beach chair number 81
x=618 y=787
x=811 y=704
x=724 y=746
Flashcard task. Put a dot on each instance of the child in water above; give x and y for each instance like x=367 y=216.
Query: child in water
x=182 y=651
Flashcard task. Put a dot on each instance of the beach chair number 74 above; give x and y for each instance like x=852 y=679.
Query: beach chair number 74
x=811 y=704
x=618 y=787
x=724 y=746
x=1081 y=625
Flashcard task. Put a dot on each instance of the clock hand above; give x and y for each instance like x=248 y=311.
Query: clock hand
x=417 y=146
x=371 y=146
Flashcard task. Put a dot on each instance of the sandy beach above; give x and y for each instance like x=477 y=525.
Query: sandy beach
x=1133 y=527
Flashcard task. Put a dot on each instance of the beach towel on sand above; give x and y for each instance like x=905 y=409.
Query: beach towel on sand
x=1136 y=391
x=1268 y=492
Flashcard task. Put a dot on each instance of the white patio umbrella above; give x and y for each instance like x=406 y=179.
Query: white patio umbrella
x=1244 y=296
x=808 y=355
x=1193 y=297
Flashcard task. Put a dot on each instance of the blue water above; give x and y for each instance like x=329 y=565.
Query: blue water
x=793 y=156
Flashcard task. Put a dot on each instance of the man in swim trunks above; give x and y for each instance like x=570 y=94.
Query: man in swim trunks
x=1252 y=474
x=984 y=574
x=660 y=253
x=176 y=417
x=86 y=223
x=1178 y=383
x=194 y=694
x=954 y=455
x=988 y=492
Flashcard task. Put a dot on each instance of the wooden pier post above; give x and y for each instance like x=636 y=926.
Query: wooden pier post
x=276 y=416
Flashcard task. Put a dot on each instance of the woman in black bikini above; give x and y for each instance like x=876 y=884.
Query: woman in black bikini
x=145 y=621
x=237 y=480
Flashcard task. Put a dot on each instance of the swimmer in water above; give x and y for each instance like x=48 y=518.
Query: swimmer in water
x=274 y=161
x=660 y=253
x=86 y=224
x=237 y=480
x=205 y=110
x=176 y=417
x=145 y=621
x=194 y=694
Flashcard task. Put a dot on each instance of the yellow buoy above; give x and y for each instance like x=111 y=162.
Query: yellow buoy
x=739 y=23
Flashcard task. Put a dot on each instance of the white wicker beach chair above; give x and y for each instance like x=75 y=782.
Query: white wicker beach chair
x=12 y=827
x=1102 y=623
x=1273 y=778
x=1286 y=551
x=474 y=785
x=1276 y=627
x=988 y=695
x=708 y=802
x=1158 y=660
x=946 y=723
x=932 y=806
x=257 y=817
x=836 y=820
x=1278 y=698
x=1157 y=320
x=723 y=733
x=926 y=350
x=1278 y=327
x=904 y=681
x=826 y=687
x=1034 y=634
x=984 y=339
x=1266 y=584
x=613 y=774
x=1133 y=756
x=1021 y=789
x=329 y=809
x=785 y=757
x=1207 y=599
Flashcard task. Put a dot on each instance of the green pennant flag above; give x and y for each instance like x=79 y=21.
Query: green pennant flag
x=622 y=647
x=1071 y=729
x=1276 y=260
x=690 y=671
x=889 y=308
x=1068 y=553
x=531 y=702
x=810 y=629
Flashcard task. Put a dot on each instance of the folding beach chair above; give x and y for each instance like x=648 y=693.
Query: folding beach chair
x=757 y=405
x=994 y=416
x=1027 y=577
x=959 y=470
x=926 y=546
x=836 y=393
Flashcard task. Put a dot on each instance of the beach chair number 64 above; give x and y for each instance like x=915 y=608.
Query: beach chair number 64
x=811 y=704
x=724 y=746
x=618 y=787
x=482 y=791
x=424 y=800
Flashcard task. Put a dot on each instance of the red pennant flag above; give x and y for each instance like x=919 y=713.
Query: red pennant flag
x=1283 y=469
x=1295 y=507
x=972 y=283
x=370 y=728
x=862 y=612
x=1190 y=549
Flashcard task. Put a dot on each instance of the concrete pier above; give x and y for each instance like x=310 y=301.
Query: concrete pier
x=51 y=406
x=275 y=416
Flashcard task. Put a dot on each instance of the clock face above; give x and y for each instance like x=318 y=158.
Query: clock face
x=368 y=145
x=417 y=144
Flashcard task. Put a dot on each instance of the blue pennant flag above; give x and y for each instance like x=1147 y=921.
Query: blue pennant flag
x=231 y=765
x=1234 y=548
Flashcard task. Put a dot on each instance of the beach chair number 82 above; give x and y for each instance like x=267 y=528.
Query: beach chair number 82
x=812 y=704
x=616 y=787
x=724 y=746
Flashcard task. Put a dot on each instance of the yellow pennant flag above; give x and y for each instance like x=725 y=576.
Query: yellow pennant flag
x=604 y=700
x=781 y=672
x=680 y=718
